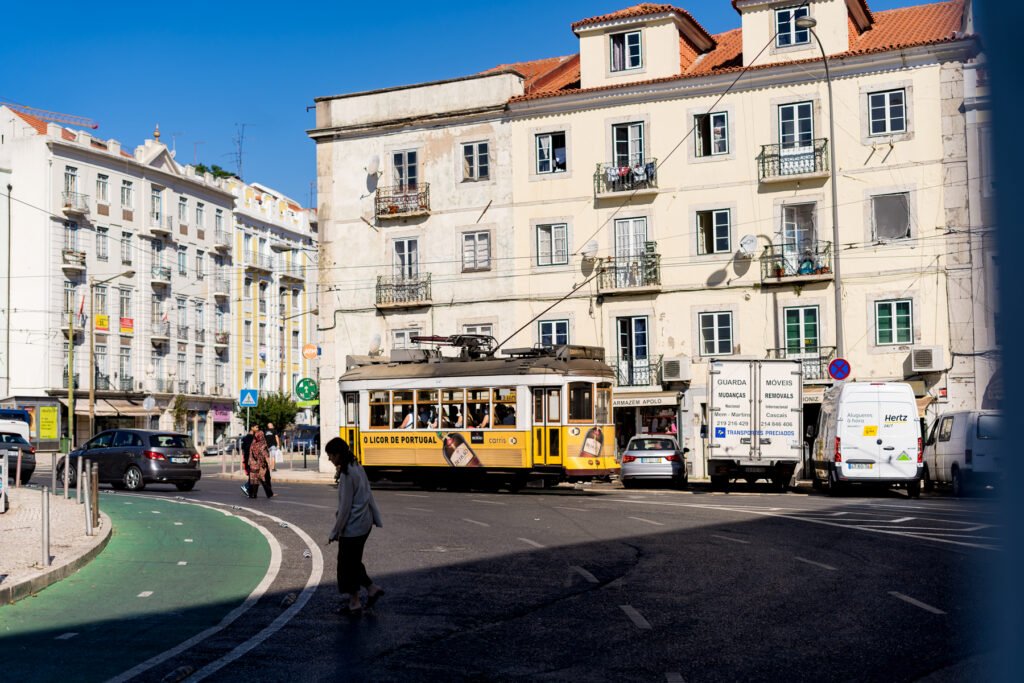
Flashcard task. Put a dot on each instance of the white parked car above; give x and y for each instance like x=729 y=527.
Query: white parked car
x=963 y=450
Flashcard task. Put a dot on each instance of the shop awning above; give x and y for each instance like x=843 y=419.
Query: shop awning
x=644 y=398
x=109 y=407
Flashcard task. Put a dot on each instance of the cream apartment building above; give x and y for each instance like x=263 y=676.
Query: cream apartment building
x=682 y=181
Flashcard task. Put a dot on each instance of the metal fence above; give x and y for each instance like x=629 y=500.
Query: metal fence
x=399 y=290
x=779 y=161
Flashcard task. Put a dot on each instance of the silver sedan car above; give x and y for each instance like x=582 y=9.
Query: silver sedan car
x=655 y=457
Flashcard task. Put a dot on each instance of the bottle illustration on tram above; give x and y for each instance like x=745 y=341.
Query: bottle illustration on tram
x=593 y=443
x=458 y=453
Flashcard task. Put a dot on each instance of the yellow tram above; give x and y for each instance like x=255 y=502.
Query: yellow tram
x=479 y=419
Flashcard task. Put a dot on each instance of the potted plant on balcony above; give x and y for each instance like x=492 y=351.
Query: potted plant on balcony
x=779 y=270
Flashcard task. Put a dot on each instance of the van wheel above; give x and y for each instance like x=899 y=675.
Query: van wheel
x=834 y=487
x=958 y=482
x=816 y=483
x=926 y=481
x=914 y=488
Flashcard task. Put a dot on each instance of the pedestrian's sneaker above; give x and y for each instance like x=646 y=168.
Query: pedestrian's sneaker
x=245 y=490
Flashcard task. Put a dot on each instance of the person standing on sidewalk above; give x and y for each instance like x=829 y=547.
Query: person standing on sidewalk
x=274 y=444
x=259 y=470
x=356 y=516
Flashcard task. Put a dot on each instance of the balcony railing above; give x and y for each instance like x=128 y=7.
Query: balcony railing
x=161 y=328
x=397 y=201
x=163 y=385
x=126 y=383
x=199 y=388
x=75 y=203
x=637 y=174
x=162 y=274
x=159 y=224
x=403 y=291
x=217 y=389
x=256 y=260
x=102 y=381
x=183 y=332
x=796 y=262
x=814 y=359
x=76 y=380
x=778 y=162
x=631 y=272
x=221 y=239
x=293 y=271
x=182 y=386
x=221 y=338
x=220 y=287
x=200 y=335
x=636 y=372
x=73 y=259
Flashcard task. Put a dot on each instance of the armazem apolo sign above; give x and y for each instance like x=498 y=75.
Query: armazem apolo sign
x=667 y=398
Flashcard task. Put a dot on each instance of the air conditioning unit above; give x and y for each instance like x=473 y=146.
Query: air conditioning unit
x=676 y=369
x=927 y=359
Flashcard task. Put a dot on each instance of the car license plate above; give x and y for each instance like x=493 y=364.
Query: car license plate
x=860 y=465
x=180 y=461
x=757 y=470
x=650 y=459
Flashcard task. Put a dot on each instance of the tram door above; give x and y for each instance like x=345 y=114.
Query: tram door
x=547 y=431
x=351 y=424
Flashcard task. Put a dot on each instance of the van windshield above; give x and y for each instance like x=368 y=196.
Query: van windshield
x=990 y=427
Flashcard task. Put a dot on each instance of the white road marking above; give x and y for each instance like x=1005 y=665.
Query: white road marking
x=730 y=538
x=305 y=505
x=977 y=527
x=901 y=520
x=584 y=573
x=674 y=677
x=636 y=617
x=177 y=524
x=420 y=509
x=412 y=495
x=647 y=521
x=155 y=512
x=473 y=521
x=66 y=636
x=188 y=540
x=182 y=563
x=144 y=594
x=562 y=507
x=916 y=603
x=838 y=514
x=529 y=542
x=489 y=502
x=816 y=564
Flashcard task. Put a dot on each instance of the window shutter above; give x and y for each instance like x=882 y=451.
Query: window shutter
x=483 y=250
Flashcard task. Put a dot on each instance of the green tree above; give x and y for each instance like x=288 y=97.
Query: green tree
x=278 y=408
x=214 y=170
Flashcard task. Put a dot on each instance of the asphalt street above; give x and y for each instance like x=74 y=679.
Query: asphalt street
x=607 y=584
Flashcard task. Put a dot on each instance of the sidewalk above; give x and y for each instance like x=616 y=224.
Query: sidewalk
x=21 y=572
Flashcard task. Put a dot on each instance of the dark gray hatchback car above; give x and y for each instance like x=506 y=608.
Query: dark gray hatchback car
x=131 y=458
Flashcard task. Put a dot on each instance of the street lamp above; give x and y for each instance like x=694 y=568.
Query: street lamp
x=280 y=248
x=809 y=23
x=93 y=282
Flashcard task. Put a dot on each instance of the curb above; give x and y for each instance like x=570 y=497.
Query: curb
x=32 y=585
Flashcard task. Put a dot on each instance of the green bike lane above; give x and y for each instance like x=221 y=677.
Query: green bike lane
x=170 y=571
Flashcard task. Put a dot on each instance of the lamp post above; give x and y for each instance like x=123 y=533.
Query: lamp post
x=93 y=282
x=809 y=23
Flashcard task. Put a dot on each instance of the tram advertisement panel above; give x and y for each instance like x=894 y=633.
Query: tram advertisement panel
x=446 y=449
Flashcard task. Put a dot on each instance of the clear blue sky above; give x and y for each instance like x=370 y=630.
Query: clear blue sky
x=200 y=68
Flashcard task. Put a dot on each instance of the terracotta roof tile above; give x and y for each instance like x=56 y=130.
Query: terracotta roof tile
x=538 y=69
x=33 y=121
x=67 y=134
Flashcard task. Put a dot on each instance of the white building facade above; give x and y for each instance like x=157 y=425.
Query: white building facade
x=666 y=194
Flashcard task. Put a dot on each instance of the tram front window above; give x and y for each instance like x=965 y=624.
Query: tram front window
x=379 y=407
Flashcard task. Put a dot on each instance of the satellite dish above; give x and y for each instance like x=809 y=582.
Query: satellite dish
x=374 y=166
x=748 y=243
x=589 y=249
x=375 y=345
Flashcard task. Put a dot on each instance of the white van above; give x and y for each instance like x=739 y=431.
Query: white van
x=868 y=433
x=962 y=450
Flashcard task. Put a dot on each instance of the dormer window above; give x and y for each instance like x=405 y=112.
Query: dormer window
x=787 y=33
x=625 y=51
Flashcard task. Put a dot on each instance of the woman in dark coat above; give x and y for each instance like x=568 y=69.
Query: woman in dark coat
x=259 y=472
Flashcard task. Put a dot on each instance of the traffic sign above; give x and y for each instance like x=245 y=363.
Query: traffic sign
x=148 y=403
x=306 y=389
x=839 y=369
x=310 y=351
x=248 y=398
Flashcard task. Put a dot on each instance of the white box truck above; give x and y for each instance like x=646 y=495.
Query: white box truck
x=755 y=418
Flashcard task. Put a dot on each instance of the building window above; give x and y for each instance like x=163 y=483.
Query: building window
x=486 y=330
x=552 y=244
x=551 y=153
x=200 y=265
x=218 y=374
x=801 y=331
x=70 y=179
x=553 y=332
x=99 y=301
x=101 y=359
x=71 y=236
x=476 y=251
x=124 y=367
x=102 y=188
x=156 y=201
x=787 y=32
x=263 y=297
x=628 y=144
x=69 y=296
x=127 y=194
x=716 y=334
x=200 y=369
x=247 y=382
x=476 y=161
x=182 y=366
x=124 y=308
x=406 y=264
x=625 y=51
x=182 y=260
x=713 y=232
x=126 y=248
x=218 y=220
x=263 y=335
x=402 y=339
x=891 y=216
x=295 y=340
x=406 y=168
x=200 y=215
x=247 y=289
x=712 y=134
x=200 y=310
x=183 y=209
x=888 y=112
x=248 y=332
x=263 y=381
x=894 y=322
x=182 y=308
x=102 y=243
x=295 y=382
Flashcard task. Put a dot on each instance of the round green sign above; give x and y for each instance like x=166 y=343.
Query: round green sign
x=306 y=389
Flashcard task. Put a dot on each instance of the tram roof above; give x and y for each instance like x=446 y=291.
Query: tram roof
x=482 y=367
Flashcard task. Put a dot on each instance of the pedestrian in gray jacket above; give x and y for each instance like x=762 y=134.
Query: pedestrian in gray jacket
x=357 y=514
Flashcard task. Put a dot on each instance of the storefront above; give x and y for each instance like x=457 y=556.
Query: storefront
x=652 y=412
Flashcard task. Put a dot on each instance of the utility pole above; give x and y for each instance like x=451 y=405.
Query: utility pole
x=7 y=311
x=71 y=379
x=239 y=151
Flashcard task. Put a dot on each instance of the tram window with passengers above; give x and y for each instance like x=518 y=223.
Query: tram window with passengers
x=479 y=419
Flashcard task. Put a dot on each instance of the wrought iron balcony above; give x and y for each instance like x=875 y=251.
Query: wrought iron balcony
x=126 y=383
x=639 y=176
x=221 y=240
x=161 y=330
x=293 y=271
x=793 y=262
x=75 y=203
x=161 y=275
x=183 y=332
x=102 y=381
x=631 y=274
x=257 y=261
x=76 y=378
x=221 y=288
x=636 y=372
x=161 y=225
x=399 y=292
x=778 y=163
x=814 y=359
x=400 y=201
x=163 y=385
x=200 y=335
x=73 y=260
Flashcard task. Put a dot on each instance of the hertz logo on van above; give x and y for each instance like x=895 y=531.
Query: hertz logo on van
x=895 y=418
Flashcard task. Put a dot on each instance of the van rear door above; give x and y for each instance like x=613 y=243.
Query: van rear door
x=898 y=434
x=858 y=434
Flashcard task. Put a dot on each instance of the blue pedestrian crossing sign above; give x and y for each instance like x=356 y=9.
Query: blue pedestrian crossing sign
x=249 y=398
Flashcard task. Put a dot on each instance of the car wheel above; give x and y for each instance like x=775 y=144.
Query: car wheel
x=185 y=485
x=914 y=488
x=72 y=475
x=958 y=482
x=926 y=481
x=628 y=484
x=834 y=487
x=719 y=481
x=133 y=480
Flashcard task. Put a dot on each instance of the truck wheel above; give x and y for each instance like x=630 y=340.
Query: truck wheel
x=914 y=488
x=958 y=482
x=781 y=483
x=926 y=481
x=718 y=481
x=834 y=487
x=816 y=483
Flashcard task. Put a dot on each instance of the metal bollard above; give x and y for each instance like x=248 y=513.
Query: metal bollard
x=17 y=472
x=94 y=492
x=78 y=482
x=83 y=481
x=53 y=471
x=46 y=527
